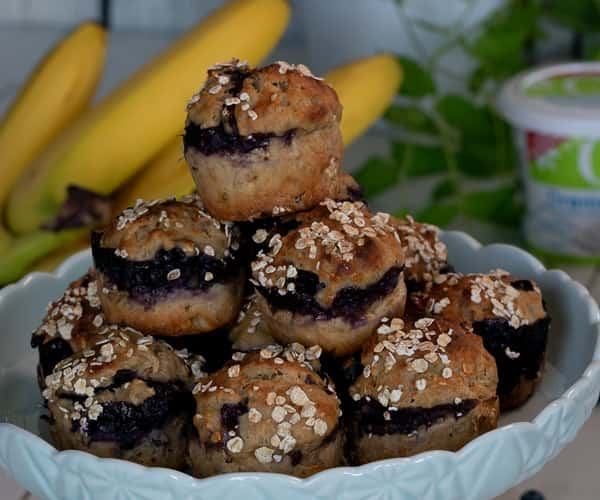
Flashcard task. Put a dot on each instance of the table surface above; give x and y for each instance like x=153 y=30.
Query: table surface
x=571 y=475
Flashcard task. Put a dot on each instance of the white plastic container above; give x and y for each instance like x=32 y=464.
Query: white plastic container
x=555 y=111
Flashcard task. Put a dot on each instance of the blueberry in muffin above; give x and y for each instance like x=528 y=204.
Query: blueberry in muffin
x=127 y=397
x=72 y=323
x=267 y=411
x=510 y=316
x=331 y=280
x=167 y=268
x=263 y=142
x=426 y=384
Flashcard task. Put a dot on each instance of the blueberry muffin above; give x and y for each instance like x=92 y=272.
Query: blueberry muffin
x=72 y=323
x=255 y=235
x=508 y=313
x=127 y=397
x=167 y=268
x=267 y=411
x=263 y=142
x=331 y=280
x=425 y=256
x=426 y=384
x=250 y=331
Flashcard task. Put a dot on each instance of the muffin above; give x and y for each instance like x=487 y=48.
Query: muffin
x=331 y=279
x=167 y=268
x=508 y=313
x=267 y=411
x=425 y=256
x=72 y=323
x=127 y=397
x=255 y=235
x=426 y=384
x=263 y=142
x=250 y=331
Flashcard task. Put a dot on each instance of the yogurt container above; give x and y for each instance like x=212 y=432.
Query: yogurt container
x=555 y=112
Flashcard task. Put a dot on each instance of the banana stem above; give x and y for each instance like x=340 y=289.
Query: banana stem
x=19 y=253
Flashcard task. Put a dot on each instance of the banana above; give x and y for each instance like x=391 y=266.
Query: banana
x=50 y=262
x=166 y=175
x=23 y=250
x=366 y=88
x=58 y=90
x=130 y=126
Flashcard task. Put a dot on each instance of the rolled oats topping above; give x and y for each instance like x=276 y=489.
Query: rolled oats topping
x=65 y=313
x=339 y=233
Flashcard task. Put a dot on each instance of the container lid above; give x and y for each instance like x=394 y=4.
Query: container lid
x=560 y=99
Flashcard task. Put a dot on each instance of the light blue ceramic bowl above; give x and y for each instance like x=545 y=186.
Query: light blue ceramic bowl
x=486 y=467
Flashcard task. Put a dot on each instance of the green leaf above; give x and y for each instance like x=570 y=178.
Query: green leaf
x=486 y=145
x=440 y=214
x=401 y=213
x=579 y=15
x=445 y=188
x=499 y=47
x=417 y=160
x=417 y=81
x=500 y=206
x=411 y=118
x=472 y=121
x=477 y=79
x=377 y=175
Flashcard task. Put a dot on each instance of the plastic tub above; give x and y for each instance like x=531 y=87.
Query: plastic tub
x=555 y=111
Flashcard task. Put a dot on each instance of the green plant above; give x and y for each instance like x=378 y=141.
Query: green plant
x=462 y=137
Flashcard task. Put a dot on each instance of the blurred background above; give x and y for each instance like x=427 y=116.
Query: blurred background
x=441 y=151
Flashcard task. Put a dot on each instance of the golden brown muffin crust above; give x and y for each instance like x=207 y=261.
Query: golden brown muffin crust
x=76 y=317
x=274 y=99
x=288 y=405
x=424 y=253
x=424 y=362
x=139 y=232
x=251 y=331
x=476 y=297
x=342 y=242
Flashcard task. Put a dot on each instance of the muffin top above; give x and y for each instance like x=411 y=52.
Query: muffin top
x=477 y=297
x=337 y=245
x=76 y=317
x=122 y=351
x=141 y=231
x=424 y=253
x=265 y=404
x=274 y=99
x=424 y=362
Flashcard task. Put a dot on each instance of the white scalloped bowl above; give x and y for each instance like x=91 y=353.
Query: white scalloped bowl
x=486 y=467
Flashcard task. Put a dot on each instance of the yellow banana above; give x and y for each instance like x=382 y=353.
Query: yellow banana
x=166 y=175
x=130 y=126
x=366 y=88
x=16 y=258
x=50 y=262
x=58 y=90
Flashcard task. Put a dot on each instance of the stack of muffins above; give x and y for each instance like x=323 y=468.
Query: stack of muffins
x=271 y=321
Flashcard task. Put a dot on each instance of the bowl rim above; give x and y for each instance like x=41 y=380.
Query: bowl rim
x=586 y=382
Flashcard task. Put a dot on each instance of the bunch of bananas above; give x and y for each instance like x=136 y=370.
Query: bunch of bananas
x=128 y=146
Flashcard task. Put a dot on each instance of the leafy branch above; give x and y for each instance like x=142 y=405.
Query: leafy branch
x=456 y=138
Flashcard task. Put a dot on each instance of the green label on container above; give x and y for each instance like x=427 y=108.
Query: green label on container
x=575 y=163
